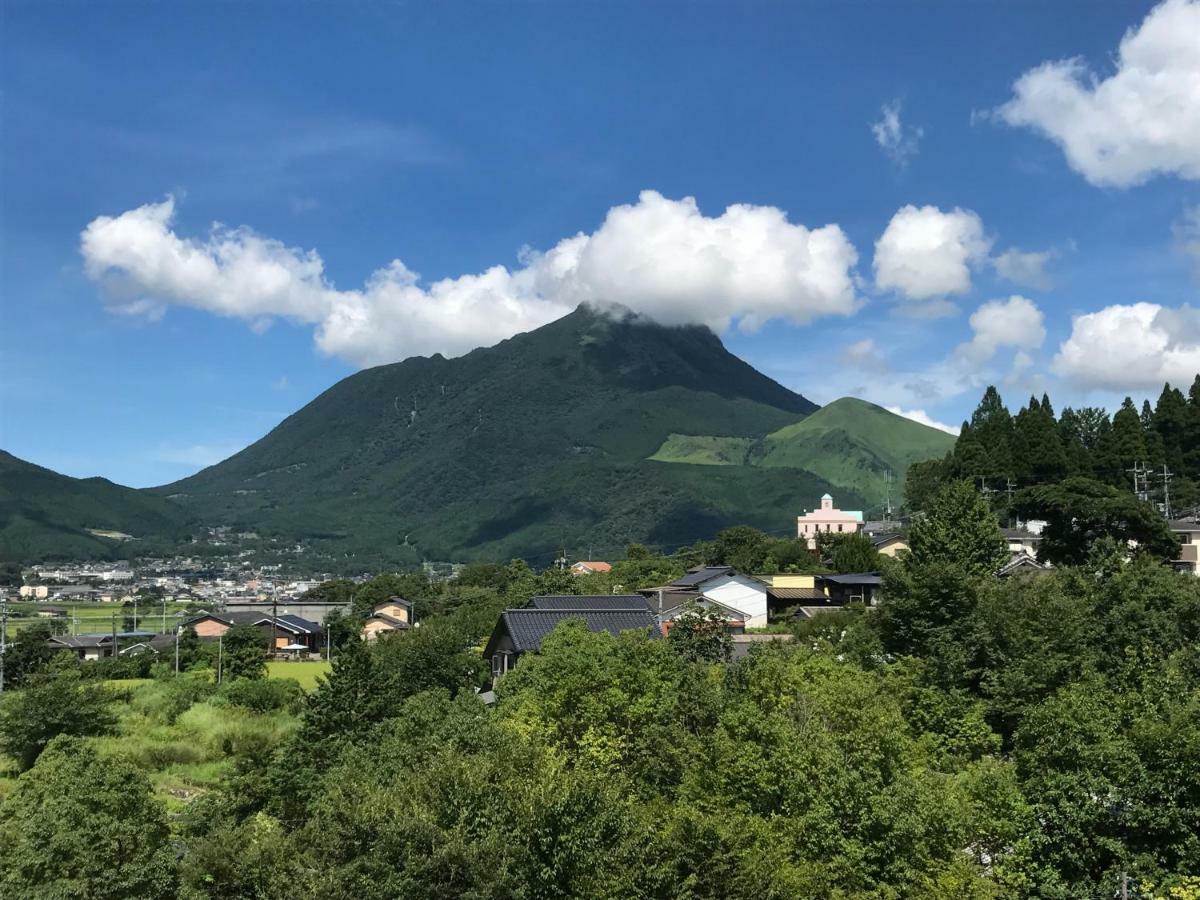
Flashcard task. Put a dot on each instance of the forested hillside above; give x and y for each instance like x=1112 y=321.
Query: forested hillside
x=44 y=515
x=518 y=449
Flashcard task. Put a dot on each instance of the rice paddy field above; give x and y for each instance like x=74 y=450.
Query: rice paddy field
x=304 y=671
x=92 y=617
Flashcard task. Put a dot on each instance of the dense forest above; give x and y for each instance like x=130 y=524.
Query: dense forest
x=1003 y=454
x=972 y=737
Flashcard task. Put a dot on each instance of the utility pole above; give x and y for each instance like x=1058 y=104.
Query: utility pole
x=3 y=639
x=220 y=655
x=887 y=492
x=1141 y=480
x=1166 y=476
x=275 y=604
x=114 y=635
x=1124 y=886
x=177 y=651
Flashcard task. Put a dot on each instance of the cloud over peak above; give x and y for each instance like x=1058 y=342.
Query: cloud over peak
x=659 y=257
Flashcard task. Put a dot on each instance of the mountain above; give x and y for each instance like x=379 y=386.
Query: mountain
x=44 y=515
x=518 y=449
x=850 y=443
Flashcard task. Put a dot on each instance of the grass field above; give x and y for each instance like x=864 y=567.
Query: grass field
x=187 y=744
x=304 y=671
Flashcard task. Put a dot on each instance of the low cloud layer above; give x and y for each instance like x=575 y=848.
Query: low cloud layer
x=658 y=257
x=1141 y=121
x=1123 y=347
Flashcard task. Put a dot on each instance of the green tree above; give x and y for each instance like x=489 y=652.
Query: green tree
x=50 y=705
x=1123 y=446
x=923 y=480
x=81 y=825
x=992 y=428
x=700 y=635
x=28 y=654
x=742 y=547
x=1038 y=449
x=1080 y=511
x=244 y=652
x=959 y=529
x=850 y=553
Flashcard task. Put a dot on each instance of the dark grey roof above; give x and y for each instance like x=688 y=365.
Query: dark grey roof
x=528 y=627
x=854 y=578
x=589 y=601
x=1183 y=525
x=885 y=537
x=290 y=622
x=700 y=574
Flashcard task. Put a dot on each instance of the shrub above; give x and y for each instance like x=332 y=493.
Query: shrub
x=265 y=695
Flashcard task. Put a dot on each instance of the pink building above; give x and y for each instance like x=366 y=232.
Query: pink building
x=828 y=519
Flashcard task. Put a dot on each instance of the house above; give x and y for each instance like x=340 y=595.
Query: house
x=96 y=646
x=827 y=520
x=744 y=593
x=1023 y=563
x=292 y=632
x=392 y=614
x=1022 y=541
x=590 y=567
x=855 y=587
x=520 y=631
x=735 y=621
x=787 y=593
x=889 y=543
x=1189 y=545
x=589 y=601
x=286 y=629
x=33 y=591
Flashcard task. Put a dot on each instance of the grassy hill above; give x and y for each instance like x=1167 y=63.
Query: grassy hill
x=850 y=443
x=45 y=515
x=516 y=449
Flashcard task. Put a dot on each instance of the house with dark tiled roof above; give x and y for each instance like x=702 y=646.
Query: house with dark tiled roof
x=521 y=631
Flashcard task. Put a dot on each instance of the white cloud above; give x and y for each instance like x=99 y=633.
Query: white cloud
x=897 y=140
x=1123 y=347
x=1015 y=322
x=280 y=384
x=658 y=257
x=1142 y=120
x=919 y=415
x=1025 y=269
x=925 y=254
x=865 y=356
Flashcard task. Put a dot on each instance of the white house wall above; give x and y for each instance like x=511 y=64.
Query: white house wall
x=747 y=595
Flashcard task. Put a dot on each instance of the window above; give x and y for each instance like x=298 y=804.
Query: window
x=839 y=528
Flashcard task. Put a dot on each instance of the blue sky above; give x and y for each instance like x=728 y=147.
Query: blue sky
x=1038 y=221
